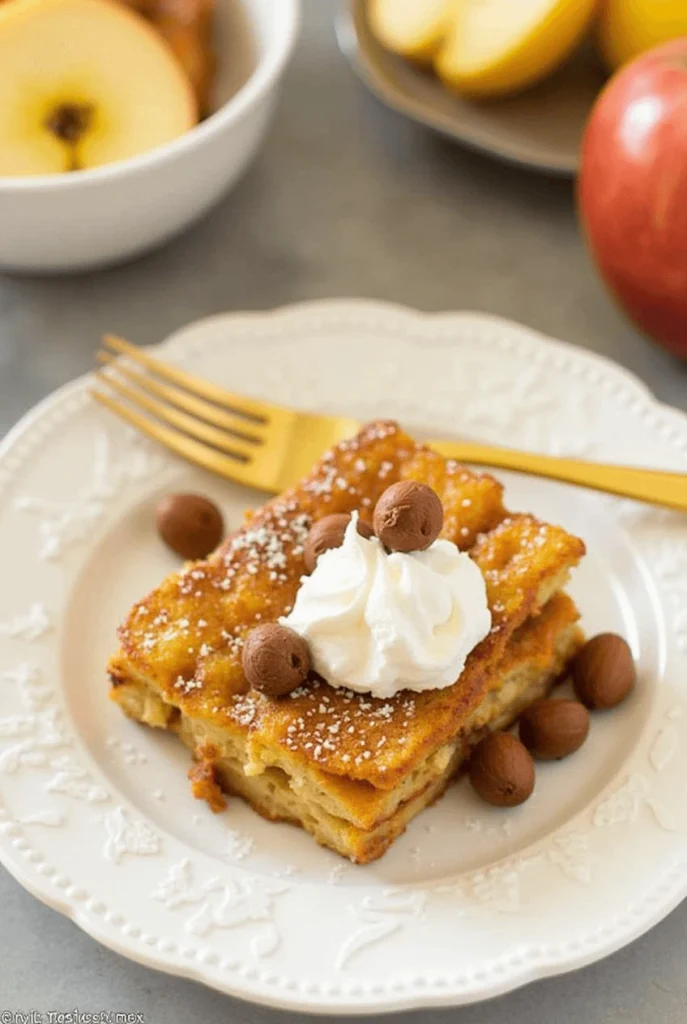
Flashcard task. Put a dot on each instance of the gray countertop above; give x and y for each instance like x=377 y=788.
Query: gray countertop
x=346 y=199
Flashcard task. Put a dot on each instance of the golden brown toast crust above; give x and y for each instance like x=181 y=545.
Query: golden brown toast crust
x=185 y=638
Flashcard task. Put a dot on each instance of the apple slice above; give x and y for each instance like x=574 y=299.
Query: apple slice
x=496 y=47
x=411 y=28
x=84 y=83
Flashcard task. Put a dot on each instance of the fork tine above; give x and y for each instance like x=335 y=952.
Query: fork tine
x=184 y=400
x=241 y=450
x=186 y=447
x=248 y=407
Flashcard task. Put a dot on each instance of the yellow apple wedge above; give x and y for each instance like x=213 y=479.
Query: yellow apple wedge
x=84 y=83
x=497 y=47
x=411 y=28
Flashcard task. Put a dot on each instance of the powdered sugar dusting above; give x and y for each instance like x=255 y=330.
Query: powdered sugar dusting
x=270 y=544
x=245 y=708
x=349 y=725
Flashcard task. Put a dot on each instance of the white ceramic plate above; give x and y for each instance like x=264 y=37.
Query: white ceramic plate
x=95 y=813
x=541 y=128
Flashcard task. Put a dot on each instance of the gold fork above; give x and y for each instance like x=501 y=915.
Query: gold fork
x=270 y=447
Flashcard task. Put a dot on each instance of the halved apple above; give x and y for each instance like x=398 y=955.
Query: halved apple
x=411 y=28
x=84 y=83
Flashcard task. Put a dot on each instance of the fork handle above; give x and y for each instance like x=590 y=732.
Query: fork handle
x=656 y=486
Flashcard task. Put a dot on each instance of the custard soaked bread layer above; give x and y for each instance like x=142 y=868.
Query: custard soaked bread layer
x=352 y=817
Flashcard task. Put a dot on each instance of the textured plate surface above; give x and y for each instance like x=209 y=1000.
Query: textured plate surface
x=541 y=128
x=95 y=814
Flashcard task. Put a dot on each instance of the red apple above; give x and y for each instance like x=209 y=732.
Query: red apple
x=633 y=191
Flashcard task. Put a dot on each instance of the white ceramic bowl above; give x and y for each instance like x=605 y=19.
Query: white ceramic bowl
x=91 y=218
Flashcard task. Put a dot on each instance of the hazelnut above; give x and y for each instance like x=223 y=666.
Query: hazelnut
x=553 y=729
x=329 y=533
x=192 y=526
x=502 y=770
x=276 y=660
x=604 y=672
x=408 y=517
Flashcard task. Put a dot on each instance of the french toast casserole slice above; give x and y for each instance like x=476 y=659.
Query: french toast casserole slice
x=351 y=769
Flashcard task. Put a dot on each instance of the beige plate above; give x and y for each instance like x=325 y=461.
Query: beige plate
x=541 y=129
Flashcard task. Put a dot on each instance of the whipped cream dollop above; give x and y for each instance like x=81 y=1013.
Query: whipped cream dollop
x=379 y=623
